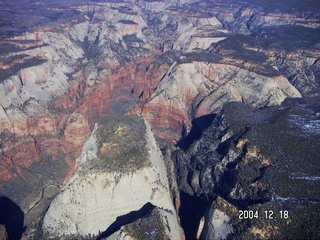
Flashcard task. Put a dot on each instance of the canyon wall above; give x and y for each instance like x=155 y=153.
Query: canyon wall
x=255 y=169
x=120 y=170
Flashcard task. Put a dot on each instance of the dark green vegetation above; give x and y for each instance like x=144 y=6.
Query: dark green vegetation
x=293 y=174
x=122 y=142
x=148 y=227
x=256 y=48
x=236 y=50
x=9 y=55
x=290 y=149
x=124 y=9
x=286 y=5
x=266 y=162
x=25 y=16
x=6 y=48
x=286 y=37
x=201 y=56
x=253 y=52
x=130 y=22
x=44 y=172
x=6 y=73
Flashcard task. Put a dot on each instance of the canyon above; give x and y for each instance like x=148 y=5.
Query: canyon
x=222 y=88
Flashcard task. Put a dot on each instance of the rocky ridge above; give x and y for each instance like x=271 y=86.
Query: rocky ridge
x=103 y=189
x=243 y=163
x=192 y=90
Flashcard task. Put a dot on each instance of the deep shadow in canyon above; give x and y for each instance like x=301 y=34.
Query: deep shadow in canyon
x=193 y=208
x=12 y=217
x=126 y=219
x=191 y=211
x=198 y=126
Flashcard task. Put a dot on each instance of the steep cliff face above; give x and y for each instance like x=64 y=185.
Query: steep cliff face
x=120 y=170
x=303 y=72
x=48 y=110
x=259 y=169
x=251 y=16
x=195 y=89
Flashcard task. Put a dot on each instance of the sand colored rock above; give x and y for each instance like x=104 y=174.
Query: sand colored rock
x=194 y=89
x=100 y=192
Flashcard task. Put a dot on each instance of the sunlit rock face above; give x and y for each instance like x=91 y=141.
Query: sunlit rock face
x=217 y=225
x=120 y=171
x=191 y=90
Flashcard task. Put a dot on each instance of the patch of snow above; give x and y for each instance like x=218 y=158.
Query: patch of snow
x=309 y=125
x=302 y=176
x=308 y=178
x=219 y=226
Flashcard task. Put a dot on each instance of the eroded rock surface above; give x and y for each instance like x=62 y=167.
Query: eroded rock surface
x=262 y=161
x=120 y=170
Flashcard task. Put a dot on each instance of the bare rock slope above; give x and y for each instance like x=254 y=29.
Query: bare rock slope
x=120 y=171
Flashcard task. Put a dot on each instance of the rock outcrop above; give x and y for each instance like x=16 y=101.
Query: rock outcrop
x=217 y=224
x=259 y=168
x=191 y=90
x=120 y=171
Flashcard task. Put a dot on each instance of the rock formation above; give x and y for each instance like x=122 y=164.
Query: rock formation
x=258 y=167
x=191 y=90
x=120 y=170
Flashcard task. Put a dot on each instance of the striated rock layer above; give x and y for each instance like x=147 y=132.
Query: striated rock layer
x=120 y=170
x=191 y=90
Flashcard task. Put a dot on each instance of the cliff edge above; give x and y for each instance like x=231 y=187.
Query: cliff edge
x=120 y=178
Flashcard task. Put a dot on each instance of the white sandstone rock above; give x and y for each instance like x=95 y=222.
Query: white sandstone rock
x=217 y=226
x=94 y=197
x=209 y=85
